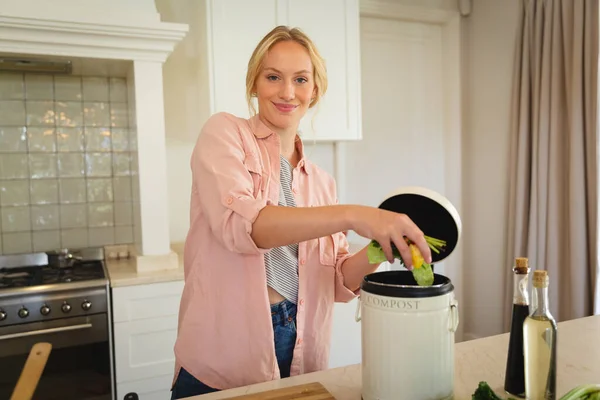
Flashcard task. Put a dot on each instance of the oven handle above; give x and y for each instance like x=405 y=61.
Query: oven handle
x=45 y=331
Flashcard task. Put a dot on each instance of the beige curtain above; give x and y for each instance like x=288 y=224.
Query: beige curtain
x=553 y=181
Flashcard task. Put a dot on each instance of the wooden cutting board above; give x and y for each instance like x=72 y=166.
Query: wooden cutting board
x=308 y=391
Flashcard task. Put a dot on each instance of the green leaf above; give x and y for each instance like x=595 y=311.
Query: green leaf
x=375 y=253
x=423 y=275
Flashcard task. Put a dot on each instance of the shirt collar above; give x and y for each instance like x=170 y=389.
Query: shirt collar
x=262 y=131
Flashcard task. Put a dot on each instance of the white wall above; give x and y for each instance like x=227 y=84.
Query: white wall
x=490 y=37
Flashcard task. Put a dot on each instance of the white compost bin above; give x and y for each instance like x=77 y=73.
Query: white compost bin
x=407 y=337
x=408 y=330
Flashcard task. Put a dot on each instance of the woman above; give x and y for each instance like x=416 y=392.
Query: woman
x=266 y=255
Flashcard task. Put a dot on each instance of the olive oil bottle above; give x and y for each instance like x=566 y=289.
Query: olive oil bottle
x=514 y=381
x=540 y=335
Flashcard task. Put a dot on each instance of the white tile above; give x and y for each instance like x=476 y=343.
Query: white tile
x=16 y=219
x=12 y=113
x=11 y=86
x=67 y=88
x=75 y=238
x=16 y=243
x=44 y=191
x=70 y=165
x=96 y=114
x=121 y=164
x=118 y=90
x=69 y=139
x=39 y=87
x=132 y=139
x=72 y=190
x=123 y=234
x=97 y=139
x=46 y=240
x=101 y=236
x=73 y=216
x=119 y=117
x=14 y=166
x=69 y=113
x=14 y=193
x=42 y=165
x=41 y=139
x=123 y=213
x=99 y=190
x=40 y=113
x=95 y=89
x=101 y=214
x=13 y=139
x=120 y=139
x=44 y=217
x=122 y=188
x=98 y=164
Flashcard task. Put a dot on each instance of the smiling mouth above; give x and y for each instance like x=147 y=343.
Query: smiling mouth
x=285 y=107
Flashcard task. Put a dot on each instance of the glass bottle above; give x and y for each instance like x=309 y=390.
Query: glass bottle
x=540 y=335
x=514 y=381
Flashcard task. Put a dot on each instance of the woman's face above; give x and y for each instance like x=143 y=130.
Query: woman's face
x=285 y=85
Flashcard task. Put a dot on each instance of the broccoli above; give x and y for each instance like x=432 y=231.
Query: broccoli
x=485 y=392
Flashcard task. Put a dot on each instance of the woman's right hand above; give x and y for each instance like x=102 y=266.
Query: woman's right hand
x=387 y=227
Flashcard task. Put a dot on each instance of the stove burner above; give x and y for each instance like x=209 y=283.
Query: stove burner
x=44 y=275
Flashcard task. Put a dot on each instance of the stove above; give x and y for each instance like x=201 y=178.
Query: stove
x=62 y=298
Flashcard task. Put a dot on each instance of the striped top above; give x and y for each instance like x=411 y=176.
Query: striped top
x=282 y=262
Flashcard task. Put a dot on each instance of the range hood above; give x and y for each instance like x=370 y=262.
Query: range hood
x=108 y=29
x=43 y=34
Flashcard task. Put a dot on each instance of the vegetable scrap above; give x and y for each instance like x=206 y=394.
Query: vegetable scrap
x=422 y=271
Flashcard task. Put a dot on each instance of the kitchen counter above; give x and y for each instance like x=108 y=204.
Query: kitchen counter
x=476 y=360
x=123 y=272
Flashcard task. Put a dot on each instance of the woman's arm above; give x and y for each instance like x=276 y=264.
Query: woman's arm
x=279 y=226
x=355 y=268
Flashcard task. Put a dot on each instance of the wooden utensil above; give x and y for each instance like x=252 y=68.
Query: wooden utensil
x=308 y=391
x=32 y=371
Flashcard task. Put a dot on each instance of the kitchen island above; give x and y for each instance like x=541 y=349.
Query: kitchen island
x=476 y=360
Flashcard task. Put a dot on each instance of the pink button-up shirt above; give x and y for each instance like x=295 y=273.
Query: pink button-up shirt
x=225 y=335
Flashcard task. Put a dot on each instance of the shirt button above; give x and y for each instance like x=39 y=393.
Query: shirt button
x=295 y=190
x=229 y=200
x=299 y=341
x=302 y=262
x=301 y=302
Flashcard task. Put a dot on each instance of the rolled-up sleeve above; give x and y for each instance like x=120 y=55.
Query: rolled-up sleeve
x=225 y=186
x=342 y=293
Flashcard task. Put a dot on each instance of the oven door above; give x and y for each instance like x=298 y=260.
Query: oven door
x=79 y=363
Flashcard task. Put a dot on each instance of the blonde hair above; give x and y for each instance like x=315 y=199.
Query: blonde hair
x=279 y=34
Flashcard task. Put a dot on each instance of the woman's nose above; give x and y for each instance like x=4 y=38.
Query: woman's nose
x=287 y=91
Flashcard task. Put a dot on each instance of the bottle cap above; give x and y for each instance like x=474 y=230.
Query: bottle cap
x=540 y=278
x=521 y=265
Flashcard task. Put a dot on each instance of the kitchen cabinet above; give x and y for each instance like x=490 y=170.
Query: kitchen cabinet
x=145 y=329
x=234 y=28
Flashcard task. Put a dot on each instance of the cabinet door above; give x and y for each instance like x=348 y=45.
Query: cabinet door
x=333 y=26
x=236 y=26
x=145 y=328
x=234 y=29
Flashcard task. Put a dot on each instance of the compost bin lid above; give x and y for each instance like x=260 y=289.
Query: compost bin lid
x=433 y=213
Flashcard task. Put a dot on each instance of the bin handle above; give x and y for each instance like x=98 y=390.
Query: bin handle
x=454 y=317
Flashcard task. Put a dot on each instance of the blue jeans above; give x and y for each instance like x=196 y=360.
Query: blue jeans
x=283 y=316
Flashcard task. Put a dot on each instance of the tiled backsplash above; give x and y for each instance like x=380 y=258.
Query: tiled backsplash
x=67 y=160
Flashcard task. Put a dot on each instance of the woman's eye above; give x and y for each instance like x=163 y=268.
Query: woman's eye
x=301 y=80
x=272 y=77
